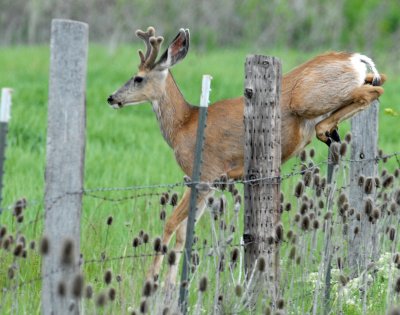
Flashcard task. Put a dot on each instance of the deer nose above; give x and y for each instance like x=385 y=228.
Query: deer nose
x=110 y=99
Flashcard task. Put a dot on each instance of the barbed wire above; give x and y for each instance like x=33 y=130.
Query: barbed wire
x=246 y=181
x=91 y=192
x=130 y=197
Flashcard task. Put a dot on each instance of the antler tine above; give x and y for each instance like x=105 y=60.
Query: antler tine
x=155 y=43
x=145 y=36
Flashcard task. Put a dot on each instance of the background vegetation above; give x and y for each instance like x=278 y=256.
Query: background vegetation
x=300 y=24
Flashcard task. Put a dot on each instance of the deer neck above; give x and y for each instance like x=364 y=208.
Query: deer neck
x=171 y=110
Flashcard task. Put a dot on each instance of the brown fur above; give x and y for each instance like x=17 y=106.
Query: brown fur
x=317 y=95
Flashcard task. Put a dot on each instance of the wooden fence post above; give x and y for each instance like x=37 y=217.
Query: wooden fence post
x=64 y=159
x=5 y=115
x=364 y=149
x=262 y=123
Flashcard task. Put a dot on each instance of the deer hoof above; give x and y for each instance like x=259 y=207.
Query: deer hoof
x=335 y=135
x=328 y=142
x=330 y=136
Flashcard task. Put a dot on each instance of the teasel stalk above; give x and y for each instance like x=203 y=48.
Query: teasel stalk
x=325 y=267
x=393 y=239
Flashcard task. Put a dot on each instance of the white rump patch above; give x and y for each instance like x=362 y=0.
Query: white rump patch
x=360 y=64
x=360 y=67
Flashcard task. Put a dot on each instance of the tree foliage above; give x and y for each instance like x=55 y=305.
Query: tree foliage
x=301 y=24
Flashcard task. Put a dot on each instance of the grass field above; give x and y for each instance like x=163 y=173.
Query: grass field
x=125 y=148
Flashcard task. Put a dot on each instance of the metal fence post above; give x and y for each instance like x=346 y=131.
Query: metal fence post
x=262 y=124
x=183 y=293
x=64 y=158
x=5 y=111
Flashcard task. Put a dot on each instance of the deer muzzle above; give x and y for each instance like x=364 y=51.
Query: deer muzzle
x=115 y=103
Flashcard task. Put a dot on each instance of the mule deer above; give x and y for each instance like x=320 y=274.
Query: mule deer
x=316 y=97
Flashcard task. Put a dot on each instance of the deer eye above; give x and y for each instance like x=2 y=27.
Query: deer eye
x=138 y=79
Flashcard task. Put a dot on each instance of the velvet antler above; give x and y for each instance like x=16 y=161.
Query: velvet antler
x=153 y=44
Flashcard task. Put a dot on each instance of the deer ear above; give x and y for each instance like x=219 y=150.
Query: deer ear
x=176 y=51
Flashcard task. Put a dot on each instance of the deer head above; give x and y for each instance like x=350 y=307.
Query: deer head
x=148 y=83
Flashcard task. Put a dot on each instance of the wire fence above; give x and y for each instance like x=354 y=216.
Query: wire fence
x=95 y=193
x=298 y=169
x=156 y=191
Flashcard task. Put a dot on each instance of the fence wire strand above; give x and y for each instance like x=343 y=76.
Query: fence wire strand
x=91 y=192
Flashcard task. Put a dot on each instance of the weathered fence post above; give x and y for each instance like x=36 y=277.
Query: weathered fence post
x=64 y=159
x=5 y=111
x=262 y=124
x=364 y=149
x=204 y=100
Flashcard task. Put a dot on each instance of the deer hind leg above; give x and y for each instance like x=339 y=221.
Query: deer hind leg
x=179 y=246
x=175 y=219
x=361 y=98
x=176 y=223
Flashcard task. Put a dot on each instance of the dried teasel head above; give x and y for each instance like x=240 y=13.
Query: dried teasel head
x=235 y=254
x=174 y=199
x=261 y=264
x=109 y=220
x=369 y=185
x=147 y=289
x=343 y=280
x=303 y=208
x=303 y=155
x=162 y=215
x=305 y=223
x=67 y=254
x=347 y=137
x=203 y=284
x=44 y=246
x=397 y=285
x=334 y=153
x=238 y=290
x=107 y=277
x=392 y=233
x=342 y=199
x=279 y=233
x=61 y=289
x=112 y=294
x=388 y=181
x=77 y=285
x=89 y=292
x=292 y=253
x=343 y=149
x=157 y=245
x=101 y=300
x=171 y=258
x=368 y=207
x=299 y=189
x=143 y=307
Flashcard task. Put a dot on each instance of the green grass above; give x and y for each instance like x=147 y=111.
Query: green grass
x=123 y=148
